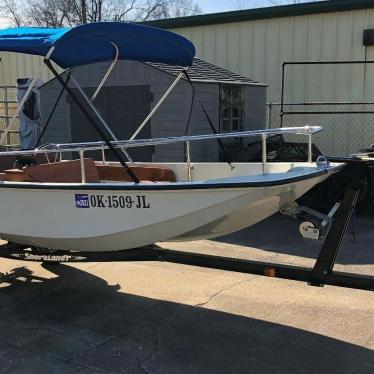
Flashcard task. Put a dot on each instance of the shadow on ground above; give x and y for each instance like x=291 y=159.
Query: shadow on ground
x=76 y=322
x=280 y=233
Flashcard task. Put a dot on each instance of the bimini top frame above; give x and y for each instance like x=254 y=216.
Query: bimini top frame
x=93 y=43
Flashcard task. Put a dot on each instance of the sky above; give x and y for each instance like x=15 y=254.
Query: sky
x=214 y=6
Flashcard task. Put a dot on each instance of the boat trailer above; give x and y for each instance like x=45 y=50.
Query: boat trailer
x=321 y=274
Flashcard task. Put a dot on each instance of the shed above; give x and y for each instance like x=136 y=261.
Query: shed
x=232 y=102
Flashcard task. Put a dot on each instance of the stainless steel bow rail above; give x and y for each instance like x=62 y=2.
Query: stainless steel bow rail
x=321 y=274
x=124 y=144
x=93 y=146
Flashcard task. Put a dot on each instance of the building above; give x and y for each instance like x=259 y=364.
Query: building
x=232 y=102
x=255 y=43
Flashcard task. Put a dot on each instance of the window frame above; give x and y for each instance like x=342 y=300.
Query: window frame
x=232 y=101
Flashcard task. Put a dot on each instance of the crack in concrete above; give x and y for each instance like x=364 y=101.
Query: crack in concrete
x=236 y=284
x=158 y=346
x=93 y=265
x=141 y=364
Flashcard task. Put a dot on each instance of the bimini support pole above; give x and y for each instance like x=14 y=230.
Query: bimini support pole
x=164 y=96
x=264 y=153
x=92 y=121
x=111 y=67
x=310 y=150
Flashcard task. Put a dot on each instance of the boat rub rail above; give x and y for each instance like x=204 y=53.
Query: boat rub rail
x=199 y=185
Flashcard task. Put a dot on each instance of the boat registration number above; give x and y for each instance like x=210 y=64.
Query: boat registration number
x=112 y=201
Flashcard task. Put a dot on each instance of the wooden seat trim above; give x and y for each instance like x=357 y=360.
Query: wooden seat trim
x=144 y=173
x=70 y=172
x=16 y=175
x=64 y=172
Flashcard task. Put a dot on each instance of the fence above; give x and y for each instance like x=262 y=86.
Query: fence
x=348 y=127
x=8 y=106
x=333 y=94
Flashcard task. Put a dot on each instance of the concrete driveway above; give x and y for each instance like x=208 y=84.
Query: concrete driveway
x=168 y=318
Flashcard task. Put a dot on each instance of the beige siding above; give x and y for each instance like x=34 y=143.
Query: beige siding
x=16 y=65
x=257 y=49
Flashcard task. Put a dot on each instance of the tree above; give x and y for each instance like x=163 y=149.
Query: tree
x=60 y=13
x=12 y=10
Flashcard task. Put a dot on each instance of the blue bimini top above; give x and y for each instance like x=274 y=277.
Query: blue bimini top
x=92 y=43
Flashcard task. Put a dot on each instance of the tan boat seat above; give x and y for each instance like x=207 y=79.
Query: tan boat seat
x=144 y=173
x=16 y=175
x=70 y=172
x=57 y=172
x=64 y=172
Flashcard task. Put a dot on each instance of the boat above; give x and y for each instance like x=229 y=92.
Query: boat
x=74 y=203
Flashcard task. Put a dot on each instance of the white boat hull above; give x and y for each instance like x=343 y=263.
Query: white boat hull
x=78 y=218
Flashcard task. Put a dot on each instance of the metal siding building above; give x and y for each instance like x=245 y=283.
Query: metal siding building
x=258 y=49
x=17 y=65
x=256 y=42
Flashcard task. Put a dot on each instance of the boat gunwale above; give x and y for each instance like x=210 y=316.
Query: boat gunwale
x=166 y=186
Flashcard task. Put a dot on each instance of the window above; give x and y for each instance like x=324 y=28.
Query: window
x=232 y=109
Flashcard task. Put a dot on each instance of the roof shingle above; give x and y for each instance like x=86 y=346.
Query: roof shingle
x=202 y=71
